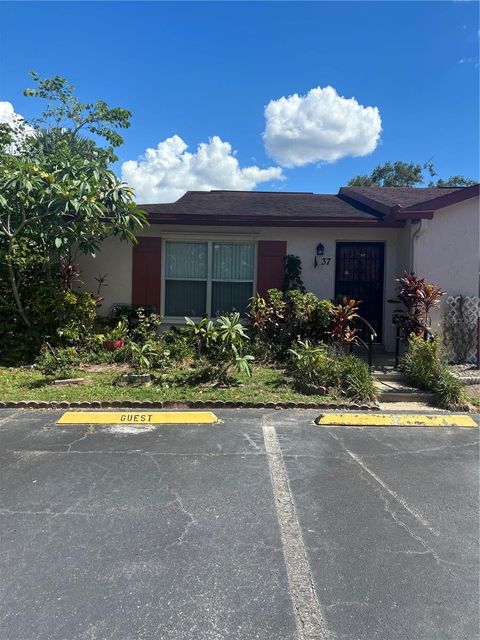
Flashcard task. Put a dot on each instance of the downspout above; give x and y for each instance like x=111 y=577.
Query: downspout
x=422 y=227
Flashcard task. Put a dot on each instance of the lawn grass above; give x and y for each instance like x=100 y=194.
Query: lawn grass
x=473 y=395
x=266 y=385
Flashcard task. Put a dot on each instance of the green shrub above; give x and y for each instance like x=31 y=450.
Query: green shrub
x=17 y=343
x=76 y=316
x=448 y=391
x=355 y=378
x=220 y=346
x=177 y=342
x=423 y=366
x=312 y=364
x=142 y=356
x=64 y=318
x=266 y=317
x=307 y=315
x=292 y=266
x=118 y=332
x=98 y=354
x=58 y=363
x=121 y=355
x=144 y=326
x=278 y=320
x=322 y=365
x=129 y=312
x=422 y=363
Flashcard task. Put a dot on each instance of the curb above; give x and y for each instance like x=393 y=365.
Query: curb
x=468 y=380
x=199 y=404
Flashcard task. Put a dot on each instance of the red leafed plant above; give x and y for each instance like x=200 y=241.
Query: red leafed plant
x=342 y=317
x=69 y=273
x=430 y=298
x=418 y=296
x=409 y=290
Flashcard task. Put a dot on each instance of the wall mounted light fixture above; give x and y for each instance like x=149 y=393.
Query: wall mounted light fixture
x=320 y=251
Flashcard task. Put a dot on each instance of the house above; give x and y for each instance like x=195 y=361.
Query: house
x=208 y=252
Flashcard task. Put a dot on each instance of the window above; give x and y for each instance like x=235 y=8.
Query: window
x=207 y=277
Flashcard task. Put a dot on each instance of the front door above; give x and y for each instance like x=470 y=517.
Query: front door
x=359 y=275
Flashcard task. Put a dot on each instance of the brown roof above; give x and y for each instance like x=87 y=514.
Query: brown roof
x=399 y=196
x=367 y=206
x=250 y=205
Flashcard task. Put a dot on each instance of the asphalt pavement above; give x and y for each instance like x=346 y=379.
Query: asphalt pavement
x=262 y=527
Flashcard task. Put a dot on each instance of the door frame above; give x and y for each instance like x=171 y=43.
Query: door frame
x=359 y=243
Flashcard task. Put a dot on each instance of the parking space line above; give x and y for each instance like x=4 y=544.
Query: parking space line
x=7 y=418
x=309 y=620
x=418 y=516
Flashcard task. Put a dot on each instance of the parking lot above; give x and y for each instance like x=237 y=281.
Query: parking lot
x=263 y=526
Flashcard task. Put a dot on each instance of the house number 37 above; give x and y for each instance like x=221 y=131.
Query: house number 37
x=325 y=261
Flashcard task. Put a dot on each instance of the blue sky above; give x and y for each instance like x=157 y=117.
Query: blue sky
x=199 y=70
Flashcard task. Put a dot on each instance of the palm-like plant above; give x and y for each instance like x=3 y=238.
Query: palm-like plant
x=230 y=329
x=222 y=343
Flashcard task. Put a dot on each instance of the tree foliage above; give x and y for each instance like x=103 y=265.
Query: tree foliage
x=58 y=197
x=407 y=174
x=65 y=118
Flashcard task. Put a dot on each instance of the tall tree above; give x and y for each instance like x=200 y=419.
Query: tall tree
x=57 y=196
x=455 y=181
x=407 y=174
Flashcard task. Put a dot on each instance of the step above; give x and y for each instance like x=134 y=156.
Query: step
x=377 y=348
x=394 y=390
x=413 y=395
x=387 y=374
x=410 y=407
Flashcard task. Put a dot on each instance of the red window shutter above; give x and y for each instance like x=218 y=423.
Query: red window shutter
x=270 y=267
x=147 y=272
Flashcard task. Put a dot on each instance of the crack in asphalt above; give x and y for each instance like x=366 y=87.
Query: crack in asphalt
x=252 y=442
x=428 y=548
x=416 y=514
x=89 y=430
x=191 y=519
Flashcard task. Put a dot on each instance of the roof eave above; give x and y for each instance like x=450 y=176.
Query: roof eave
x=454 y=197
x=270 y=221
x=352 y=195
x=401 y=214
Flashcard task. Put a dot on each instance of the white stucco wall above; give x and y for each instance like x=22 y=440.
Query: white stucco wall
x=447 y=250
x=404 y=247
x=115 y=258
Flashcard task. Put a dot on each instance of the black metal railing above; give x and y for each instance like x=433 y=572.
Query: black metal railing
x=366 y=342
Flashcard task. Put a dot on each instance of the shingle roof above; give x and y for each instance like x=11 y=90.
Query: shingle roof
x=367 y=206
x=235 y=204
x=399 y=196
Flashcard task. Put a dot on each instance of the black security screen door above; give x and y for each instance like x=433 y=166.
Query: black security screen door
x=359 y=275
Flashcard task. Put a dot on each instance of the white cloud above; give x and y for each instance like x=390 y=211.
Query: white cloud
x=8 y=115
x=164 y=174
x=16 y=122
x=320 y=126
